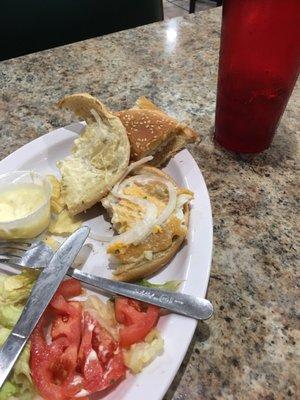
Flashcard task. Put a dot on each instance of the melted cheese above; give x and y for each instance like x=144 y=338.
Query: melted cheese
x=126 y=214
x=155 y=243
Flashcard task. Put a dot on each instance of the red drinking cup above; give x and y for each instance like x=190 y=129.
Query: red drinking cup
x=258 y=68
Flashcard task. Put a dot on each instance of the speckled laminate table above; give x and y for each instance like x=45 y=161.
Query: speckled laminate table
x=247 y=351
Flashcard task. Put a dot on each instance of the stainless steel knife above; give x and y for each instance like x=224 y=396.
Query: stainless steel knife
x=40 y=296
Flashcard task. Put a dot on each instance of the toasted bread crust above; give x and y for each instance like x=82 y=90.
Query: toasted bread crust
x=146 y=130
x=153 y=132
x=82 y=104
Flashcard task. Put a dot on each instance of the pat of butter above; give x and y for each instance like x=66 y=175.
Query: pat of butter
x=24 y=210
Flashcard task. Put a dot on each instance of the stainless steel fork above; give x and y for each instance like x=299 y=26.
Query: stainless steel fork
x=26 y=253
x=37 y=255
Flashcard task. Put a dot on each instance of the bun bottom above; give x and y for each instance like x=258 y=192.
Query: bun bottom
x=136 y=271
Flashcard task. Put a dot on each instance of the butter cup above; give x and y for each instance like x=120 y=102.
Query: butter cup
x=35 y=222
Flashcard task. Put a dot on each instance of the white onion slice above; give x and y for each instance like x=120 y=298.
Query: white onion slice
x=48 y=336
x=96 y=116
x=171 y=204
x=182 y=199
x=137 y=163
x=116 y=191
x=82 y=393
x=78 y=298
x=100 y=238
x=142 y=228
x=130 y=168
x=83 y=255
x=172 y=192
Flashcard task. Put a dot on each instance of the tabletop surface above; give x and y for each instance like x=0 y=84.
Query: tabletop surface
x=247 y=350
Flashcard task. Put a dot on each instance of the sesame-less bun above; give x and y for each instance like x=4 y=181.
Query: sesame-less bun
x=99 y=157
x=136 y=271
x=152 y=132
x=141 y=267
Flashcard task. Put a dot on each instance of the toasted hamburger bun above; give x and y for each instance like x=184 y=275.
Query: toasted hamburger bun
x=142 y=267
x=133 y=272
x=99 y=157
x=152 y=132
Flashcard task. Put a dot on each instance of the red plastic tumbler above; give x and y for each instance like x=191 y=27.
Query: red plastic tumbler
x=258 y=68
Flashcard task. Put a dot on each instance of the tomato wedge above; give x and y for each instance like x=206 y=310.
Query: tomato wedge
x=100 y=358
x=69 y=288
x=53 y=366
x=82 y=355
x=137 y=322
x=44 y=358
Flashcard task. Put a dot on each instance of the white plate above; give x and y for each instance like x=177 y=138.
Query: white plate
x=191 y=264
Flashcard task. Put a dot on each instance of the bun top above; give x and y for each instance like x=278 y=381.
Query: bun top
x=99 y=157
x=153 y=132
x=147 y=129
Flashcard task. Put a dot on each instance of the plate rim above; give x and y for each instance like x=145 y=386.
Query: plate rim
x=190 y=167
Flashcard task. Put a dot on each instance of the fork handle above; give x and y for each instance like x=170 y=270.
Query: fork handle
x=179 y=303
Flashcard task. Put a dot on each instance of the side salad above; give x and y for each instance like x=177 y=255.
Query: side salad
x=81 y=344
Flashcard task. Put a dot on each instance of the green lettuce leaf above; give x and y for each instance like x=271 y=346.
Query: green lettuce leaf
x=169 y=286
x=4 y=332
x=19 y=383
x=21 y=375
x=9 y=315
x=8 y=390
x=15 y=289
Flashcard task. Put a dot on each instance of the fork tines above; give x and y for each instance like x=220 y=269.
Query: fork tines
x=13 y=249
x=14 y=245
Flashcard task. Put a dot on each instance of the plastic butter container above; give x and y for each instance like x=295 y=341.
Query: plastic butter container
x=24 y=204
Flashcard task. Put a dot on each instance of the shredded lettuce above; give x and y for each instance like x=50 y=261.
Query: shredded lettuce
x=8 y=390
x=4 y=332
x=169 y=286
x=9 y=315
x=19 y=383
x=139 y=355
x=22 y=377
x=104 y=312
x=14 y=291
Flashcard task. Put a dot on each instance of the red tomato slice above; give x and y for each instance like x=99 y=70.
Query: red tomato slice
x=80 y=346
x=101 y=361
x=69 y=288
x=42 y=359
x=53 y=366
x=67 y=324
x=88 y=326
x=68 y=320
x=103 y=344
x=137 y=323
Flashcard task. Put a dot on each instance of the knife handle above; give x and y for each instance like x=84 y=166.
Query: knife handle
x=180 y=303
